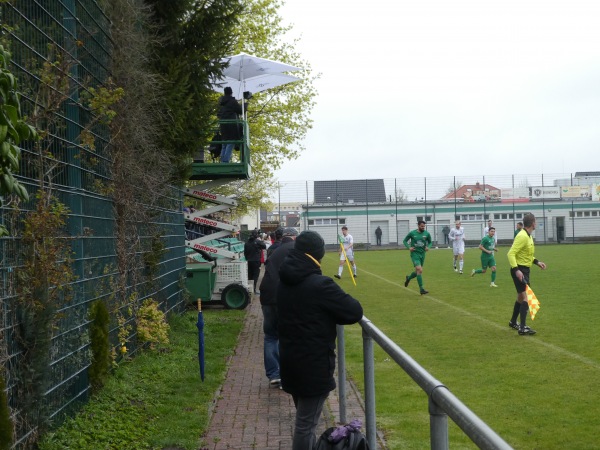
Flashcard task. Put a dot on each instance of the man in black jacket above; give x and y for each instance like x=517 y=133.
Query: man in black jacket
x=268 y=302
x=252 y=251
x=229 y=110
x=310 y=306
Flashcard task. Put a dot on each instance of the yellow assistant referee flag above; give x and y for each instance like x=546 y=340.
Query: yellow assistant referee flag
x=533 y=302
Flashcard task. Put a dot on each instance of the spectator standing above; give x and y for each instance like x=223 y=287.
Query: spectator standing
x=418 y=242
x=230 y=110
x=457 y=236
x=252 y=252
x=446 y=231
x=378 y=233
x=348 y=243
x=521 y=257
x=268 y=302
x=277 y=243
x=310 y=306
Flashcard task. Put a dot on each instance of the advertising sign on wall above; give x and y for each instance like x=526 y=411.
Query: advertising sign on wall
x=576 y=191
x=545 y=192
x=596 y=192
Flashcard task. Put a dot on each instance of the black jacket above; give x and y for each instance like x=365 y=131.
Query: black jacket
x=270 y=281
x=252 y=249
x=229 y=108
x=310 y=305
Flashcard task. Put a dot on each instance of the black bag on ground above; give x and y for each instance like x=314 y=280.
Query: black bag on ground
x=355 y=440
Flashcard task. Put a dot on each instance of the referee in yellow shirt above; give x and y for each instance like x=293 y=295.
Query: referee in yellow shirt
x=520 y=258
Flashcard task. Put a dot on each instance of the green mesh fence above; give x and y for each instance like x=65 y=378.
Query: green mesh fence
x=73 y=34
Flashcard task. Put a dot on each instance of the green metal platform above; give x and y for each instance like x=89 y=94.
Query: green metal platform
x=207 y=168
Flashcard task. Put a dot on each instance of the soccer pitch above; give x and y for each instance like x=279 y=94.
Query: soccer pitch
x=537 y=392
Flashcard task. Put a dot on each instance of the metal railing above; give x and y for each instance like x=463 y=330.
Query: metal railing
x=441 y=402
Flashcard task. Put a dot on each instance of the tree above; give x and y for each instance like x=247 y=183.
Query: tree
x=454 y=187
x=193 y=38
x=278 y=118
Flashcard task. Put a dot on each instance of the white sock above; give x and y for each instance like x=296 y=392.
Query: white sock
x=340 y=270
x=354 y=268
x=461 y=264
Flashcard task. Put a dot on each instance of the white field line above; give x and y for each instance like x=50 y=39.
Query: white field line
x=531 y=340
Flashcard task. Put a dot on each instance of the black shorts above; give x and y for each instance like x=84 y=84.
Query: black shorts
x=519 y=284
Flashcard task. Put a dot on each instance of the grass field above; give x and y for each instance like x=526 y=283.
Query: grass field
x=537 y=392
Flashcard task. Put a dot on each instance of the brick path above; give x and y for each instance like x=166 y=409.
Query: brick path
x=248 y=413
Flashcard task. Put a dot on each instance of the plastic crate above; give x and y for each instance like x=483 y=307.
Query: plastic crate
x=233 y=272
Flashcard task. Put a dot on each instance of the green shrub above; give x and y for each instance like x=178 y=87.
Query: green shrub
x=101 y=359
x=152 y=326
x=6 y=426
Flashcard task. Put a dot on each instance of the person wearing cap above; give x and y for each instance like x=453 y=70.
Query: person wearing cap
x=310 y=305
x=268 y=302
x=229 y=109
x=277 y=243
x=252 y=252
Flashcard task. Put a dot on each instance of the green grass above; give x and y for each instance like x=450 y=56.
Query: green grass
x=537 y=392
x=157 y=400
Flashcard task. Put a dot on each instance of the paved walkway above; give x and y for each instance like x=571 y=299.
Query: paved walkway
x=248 y=413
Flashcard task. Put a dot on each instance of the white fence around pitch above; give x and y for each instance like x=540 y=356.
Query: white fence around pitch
x=566 y=206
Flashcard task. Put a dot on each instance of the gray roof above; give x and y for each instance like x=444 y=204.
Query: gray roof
x=350 y=191
x=587 y=174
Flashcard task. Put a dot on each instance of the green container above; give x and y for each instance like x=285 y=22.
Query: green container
x=200 y=281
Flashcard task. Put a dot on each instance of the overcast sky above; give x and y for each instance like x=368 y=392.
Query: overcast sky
x=442 y=88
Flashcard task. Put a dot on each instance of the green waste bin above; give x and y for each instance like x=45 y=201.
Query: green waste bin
x=200 y=281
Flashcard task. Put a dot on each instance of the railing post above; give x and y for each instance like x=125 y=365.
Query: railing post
x=341 y=372
x=438 y=426
x=369 y=367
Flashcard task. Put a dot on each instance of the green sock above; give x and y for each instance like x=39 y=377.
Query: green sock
x=412 y=275
x=493 y=276
x=420 y=281
x=478 y=270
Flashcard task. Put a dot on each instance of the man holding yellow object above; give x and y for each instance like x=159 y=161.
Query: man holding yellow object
x=521 y=257
x=347 y=254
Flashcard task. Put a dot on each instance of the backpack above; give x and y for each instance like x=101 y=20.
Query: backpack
x=355 y=440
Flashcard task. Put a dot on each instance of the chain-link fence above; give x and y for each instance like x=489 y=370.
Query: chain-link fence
x=69 y=40
x=566 y=206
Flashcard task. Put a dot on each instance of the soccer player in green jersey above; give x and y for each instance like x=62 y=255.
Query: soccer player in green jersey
x=420 y=242
x=519 y=228
x=488 y=247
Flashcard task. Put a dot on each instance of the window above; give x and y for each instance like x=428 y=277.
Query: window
x=496 y=216
x=587 y=214
x=331 y=221
x=594 y=213
x=427 y=218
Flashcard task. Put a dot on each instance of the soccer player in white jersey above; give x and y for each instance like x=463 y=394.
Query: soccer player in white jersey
x=457 y=237
x=349 y=248
x=486 y=231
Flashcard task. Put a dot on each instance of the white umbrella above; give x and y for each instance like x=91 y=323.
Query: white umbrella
x=254 y=84
x=251 y=73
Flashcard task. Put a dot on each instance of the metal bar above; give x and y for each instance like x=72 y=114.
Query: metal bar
x=438 y=427
x=369 y=374
x=477 y=430
x=341 y=371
